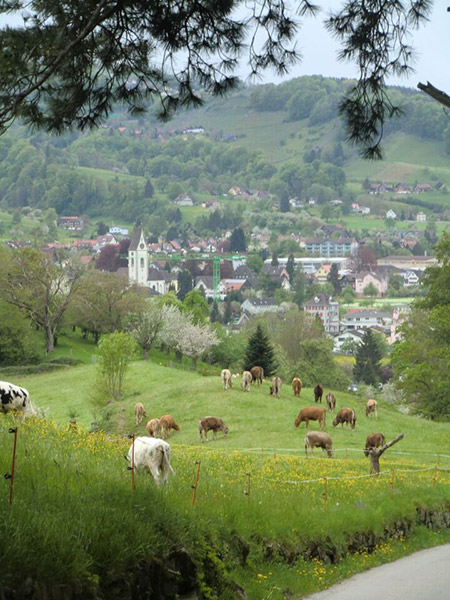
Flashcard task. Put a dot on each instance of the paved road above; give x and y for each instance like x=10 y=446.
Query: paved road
x=424 y=575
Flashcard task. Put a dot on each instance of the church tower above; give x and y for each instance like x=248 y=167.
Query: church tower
x=138 y=258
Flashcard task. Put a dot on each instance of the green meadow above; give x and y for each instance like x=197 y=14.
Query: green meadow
x=298 y=517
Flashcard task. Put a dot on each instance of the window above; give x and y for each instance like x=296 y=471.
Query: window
x=142 y=263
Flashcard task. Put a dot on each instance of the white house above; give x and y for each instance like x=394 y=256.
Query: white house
x=355 y=320
x=257 y=306
x=391 y=214
x=119 y=230
x=421 y=217
x=340 y=339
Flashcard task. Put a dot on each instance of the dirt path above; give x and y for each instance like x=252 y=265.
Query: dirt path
x=424 y=575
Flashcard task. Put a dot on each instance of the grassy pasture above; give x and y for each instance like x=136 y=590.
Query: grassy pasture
x=255 y=419
x=72 y=485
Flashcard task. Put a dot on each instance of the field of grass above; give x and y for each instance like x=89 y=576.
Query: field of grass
x=248 y=481
x=256 y=482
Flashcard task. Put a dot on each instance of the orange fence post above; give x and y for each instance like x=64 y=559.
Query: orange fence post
x=436 y=471
x=325 y=493
x=13 y=464
x=392 y=481
x=194 y=487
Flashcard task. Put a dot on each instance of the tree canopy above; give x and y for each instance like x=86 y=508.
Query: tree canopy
x=68 y=64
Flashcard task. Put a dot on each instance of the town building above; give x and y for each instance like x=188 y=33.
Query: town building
x=326 y=309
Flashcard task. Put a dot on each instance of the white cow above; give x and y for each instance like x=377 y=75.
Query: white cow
x=226 y=379
x=152 y=454
x=13 y=397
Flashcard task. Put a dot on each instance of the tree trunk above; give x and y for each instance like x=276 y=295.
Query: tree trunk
x=375 y=453
x=49 y=339
x=145 y=353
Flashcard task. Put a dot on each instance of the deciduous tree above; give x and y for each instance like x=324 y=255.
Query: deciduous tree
x=40 y=288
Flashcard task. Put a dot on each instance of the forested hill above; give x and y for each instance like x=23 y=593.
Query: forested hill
x=284 y=139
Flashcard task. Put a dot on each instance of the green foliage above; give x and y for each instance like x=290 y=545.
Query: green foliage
x=18 y=343
x=422 y=356
x=237 y=240
x=185 y=284
x=260 y=352
x=370 y=290
x=196 y=304
x=367 y=367
x=230 y=351
x=115 y=352
x=145 y=326
x=316 y=365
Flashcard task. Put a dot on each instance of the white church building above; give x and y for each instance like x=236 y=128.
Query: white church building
x=138 y=267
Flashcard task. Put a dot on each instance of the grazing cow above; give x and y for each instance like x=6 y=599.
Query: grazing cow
x=13 y=397
x=275 y=388
x=345 y=415
x=246 y=381
x=167 y=423
x=331 y=401
x=311 y=413
x=226 y=379
x=153 y=428
x=139 y=412
x=372 y=408
x=257 y=374
x=297 y=386
x=374 y=440
x=318 y=439
x=318 y=393
x=151 y=454
x=211 y=423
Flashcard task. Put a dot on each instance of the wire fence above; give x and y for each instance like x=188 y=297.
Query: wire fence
x=249 y=477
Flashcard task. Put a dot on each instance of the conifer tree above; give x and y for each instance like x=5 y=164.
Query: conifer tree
x=228 y=312
x=367 y=360
x=260 y=352
x=290 y=267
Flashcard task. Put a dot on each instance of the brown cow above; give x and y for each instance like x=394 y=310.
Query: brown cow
x=331 y=401
x=318 y=393
x=318 y=439
x=275 y=388
x=211 y=423
x=374 y=440
x=246 y=381
x=153 y=428
x=257 y=374
x=372 y=408
x=297 y=386
x=167 y=423
x=345 y=415
x=139 y=412
x=226 y=379
x=311 y=413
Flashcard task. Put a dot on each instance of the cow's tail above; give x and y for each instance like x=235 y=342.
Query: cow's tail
x=166 y=461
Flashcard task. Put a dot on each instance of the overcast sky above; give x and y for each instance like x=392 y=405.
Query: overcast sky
x=319 y=50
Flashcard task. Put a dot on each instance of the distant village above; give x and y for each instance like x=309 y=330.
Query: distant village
x=156 y=266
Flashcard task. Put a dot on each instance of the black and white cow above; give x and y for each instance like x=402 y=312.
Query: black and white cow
x=13 y=397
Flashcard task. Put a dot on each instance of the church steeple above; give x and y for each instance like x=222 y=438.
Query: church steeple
x=138 y=258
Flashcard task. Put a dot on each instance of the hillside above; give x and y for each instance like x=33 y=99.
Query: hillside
x=255 y=419
x=284 y=139
x=265 y=517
